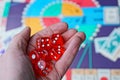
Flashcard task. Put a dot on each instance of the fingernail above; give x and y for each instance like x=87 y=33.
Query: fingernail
x=27 y=28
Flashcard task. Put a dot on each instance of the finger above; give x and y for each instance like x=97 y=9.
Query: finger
x=78 y=34
x=63 y=64
x=68 y=34
x=56 y=28
x=20 y=41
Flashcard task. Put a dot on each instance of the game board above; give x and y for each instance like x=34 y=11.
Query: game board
x=99 y=19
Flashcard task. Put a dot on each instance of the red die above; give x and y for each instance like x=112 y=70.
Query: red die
x=57 y=39
x=56 y=52
x=44 y=54
x=42 y=68
x=45 y=43
x=34 y=56
x=47 y=69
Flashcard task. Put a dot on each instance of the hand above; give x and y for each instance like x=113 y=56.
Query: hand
x=15 y=65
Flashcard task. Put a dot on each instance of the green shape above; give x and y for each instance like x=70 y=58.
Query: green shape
x=53 y=10
x=6 y=10
x=88 y=30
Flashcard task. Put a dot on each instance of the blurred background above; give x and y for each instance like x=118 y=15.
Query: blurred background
x=98 y=57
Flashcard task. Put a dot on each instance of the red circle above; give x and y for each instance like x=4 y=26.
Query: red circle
x=104 y=78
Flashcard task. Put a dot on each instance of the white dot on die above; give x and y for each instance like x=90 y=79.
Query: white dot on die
x=38 y=46
x=38 y=43
x=56 y=38
x=54 y=41
x=58 y=35
x=55 y=57
x=51 y=53
x=58 y=46
x=42 y=67
x=33 y=56
x=42 y=40
x=41 y=64
x=59 y=52
x=58 y=49
x=47 y=40
x=43 y=45
x=48 y=44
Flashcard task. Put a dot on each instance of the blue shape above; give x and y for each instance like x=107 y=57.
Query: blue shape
x=82 y=20
x=93 y=15
x=94 y=21
x=93 y=12
x=72 y=21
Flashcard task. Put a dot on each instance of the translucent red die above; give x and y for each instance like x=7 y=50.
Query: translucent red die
x=57 y=39
x=34 y=56
x=56 y=52
x=43 y=43
x=42 y=68
x=45 y=55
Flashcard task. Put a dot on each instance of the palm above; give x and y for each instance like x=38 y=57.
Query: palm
x=60 y=68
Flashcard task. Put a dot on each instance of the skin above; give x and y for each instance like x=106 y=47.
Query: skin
x=15 y=64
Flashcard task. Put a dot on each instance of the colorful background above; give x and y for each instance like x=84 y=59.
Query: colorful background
x=98 y=58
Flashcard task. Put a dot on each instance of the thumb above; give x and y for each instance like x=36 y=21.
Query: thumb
x=20 y=41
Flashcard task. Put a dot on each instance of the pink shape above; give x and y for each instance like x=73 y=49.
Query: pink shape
x=68 y=74
x=84 y=3
x=104 y=78
x=27 y=1
x=49 y=21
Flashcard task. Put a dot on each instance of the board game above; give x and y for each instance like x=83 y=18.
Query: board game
x=98 y=19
